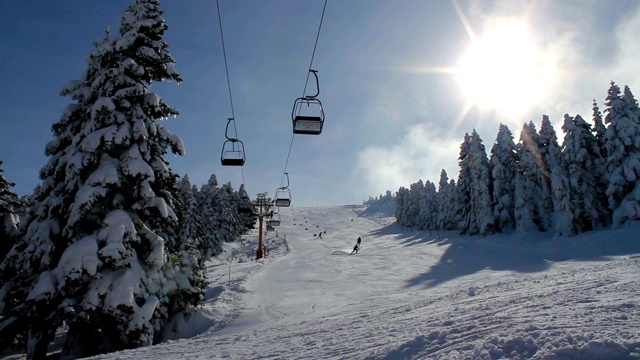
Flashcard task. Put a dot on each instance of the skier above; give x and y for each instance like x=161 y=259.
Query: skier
x=355 y=249
x=359 y=241
x=320 y=235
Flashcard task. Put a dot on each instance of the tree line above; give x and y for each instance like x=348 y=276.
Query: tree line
x=591 y=181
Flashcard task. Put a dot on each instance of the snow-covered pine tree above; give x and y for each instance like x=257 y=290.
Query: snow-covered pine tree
x=584 y=166
x=482 y=188
x=463 y=187
x=548 y=158
x=9 y=220
x=504 y=167
x=229 y=226
x=94 y=253
x=599 y=130
x=207 y=203
x=245 y=209
x=447 y=202
x=402 y=204
x=600 y=133
x=384 y=205
x=527 y=182
x=623 y=154
x=413 y=209
x=431 y=202
x=186 y=258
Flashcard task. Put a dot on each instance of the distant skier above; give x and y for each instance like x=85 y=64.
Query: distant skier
x=359 y=240
x=320 y=235
x=355 y=249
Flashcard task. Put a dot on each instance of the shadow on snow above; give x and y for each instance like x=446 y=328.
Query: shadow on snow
x=524 y=253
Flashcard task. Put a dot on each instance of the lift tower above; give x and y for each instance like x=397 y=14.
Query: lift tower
x=262 y=208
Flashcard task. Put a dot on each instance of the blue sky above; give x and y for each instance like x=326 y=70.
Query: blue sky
x=401 y=82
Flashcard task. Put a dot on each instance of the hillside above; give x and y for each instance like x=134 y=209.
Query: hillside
x=414 y=295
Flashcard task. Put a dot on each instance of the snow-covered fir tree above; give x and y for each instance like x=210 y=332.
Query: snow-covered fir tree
x=599 y=130
x=478 y=213
x=186 y=257
x=527 y=183
x=402 y=205
x=623 y=154
x=247 y=218
x=463 y=186
x=504 y=167
x=447 y=202
x=207 y=199
x=584 y=167
x=384 y=205
x=9 y=219
x=95 y=252
x=229 y=224
x=548 y=158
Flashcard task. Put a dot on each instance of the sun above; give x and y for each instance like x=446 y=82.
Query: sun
x=503 y=70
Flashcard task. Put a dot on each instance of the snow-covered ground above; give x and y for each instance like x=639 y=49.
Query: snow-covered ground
x=414 y=295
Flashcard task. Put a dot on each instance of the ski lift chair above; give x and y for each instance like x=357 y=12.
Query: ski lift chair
x=275 y=220
x=312 y=121
x=232 y=150
x=283 y=197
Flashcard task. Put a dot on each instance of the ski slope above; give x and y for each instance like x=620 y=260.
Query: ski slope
x=414 y=295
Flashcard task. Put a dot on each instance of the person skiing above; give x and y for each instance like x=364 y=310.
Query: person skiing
x=355 y=249
x=359 y=241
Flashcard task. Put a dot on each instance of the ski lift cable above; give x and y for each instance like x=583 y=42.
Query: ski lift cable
x=226 y=68
x=313 y=54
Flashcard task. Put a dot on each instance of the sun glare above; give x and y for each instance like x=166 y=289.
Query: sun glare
x=504 y=71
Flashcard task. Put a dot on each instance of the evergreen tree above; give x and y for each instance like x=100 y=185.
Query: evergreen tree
x=463 y=187
x=623 y=154
x=549 y=157
x=383 y=205
x=414 y=201
x=95 y=252
x=207 y=203
x=402 y=204
x=504 y=167
x=247 y=218
x=599 y=130
x=478 y=218
x=229 y=226
x=187 y=260
x=585 y=167
x=9 y=219
x=527 y=183
x=447 y=203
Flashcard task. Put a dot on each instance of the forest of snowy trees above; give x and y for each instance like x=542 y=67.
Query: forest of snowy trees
x=110 y=247
x=591 y=181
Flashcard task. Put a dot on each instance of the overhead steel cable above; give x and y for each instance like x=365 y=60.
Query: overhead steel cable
x=313 y=54
x=226 y=68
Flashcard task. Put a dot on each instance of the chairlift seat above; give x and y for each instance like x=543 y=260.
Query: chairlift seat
x=283 y=202
x=307 y=125
x=228 y=160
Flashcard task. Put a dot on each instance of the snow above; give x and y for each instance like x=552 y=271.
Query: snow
x=413 y=295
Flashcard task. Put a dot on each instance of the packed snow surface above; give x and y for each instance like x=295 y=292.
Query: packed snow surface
x=414 y=295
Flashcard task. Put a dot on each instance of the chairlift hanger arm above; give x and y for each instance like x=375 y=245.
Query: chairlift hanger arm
x=315 y=74
x=226 y=132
